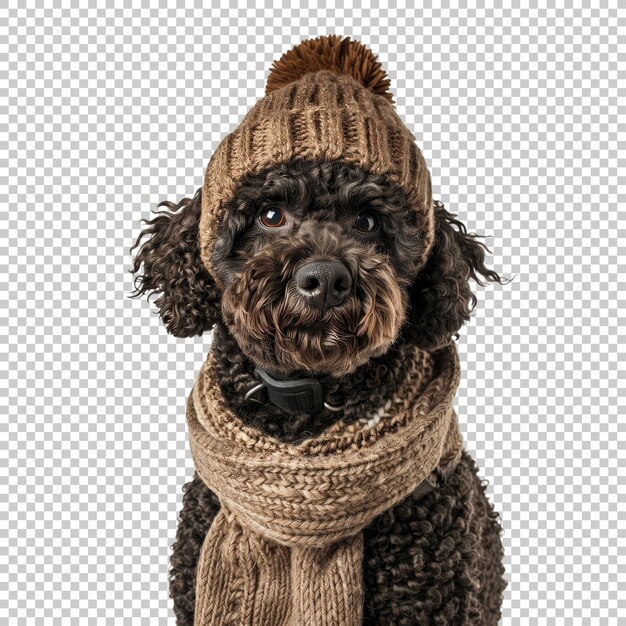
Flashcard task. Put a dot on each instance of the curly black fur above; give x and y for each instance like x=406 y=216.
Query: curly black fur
x=189 y=302
x=436 y=560
x=441 y=297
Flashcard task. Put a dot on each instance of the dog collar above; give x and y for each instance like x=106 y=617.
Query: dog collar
x=301 y=395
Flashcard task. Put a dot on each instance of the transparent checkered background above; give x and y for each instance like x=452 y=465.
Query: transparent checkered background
x=106 y=111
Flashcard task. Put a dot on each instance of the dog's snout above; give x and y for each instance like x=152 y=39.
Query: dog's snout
x=324 y=284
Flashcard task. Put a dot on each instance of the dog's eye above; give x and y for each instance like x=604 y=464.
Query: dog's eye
x=273 y=217
x=366 y=223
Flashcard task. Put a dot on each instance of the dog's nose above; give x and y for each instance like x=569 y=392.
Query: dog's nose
x=324 y=284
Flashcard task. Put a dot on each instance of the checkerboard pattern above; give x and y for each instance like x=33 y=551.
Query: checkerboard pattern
x=106 y=111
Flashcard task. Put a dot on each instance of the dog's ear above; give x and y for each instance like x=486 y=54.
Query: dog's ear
x=188 y=298
x=440 y=297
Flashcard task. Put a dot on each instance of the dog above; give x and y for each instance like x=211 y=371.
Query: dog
x=315 y=273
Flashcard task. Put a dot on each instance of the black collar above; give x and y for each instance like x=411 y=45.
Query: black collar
x=301 y=395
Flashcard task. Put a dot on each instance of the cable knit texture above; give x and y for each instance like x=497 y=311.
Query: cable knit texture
x=286 y=548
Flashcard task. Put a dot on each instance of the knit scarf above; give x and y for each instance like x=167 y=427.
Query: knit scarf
x=286 y=547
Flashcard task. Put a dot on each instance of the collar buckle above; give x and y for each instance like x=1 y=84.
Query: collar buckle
x=304 y=395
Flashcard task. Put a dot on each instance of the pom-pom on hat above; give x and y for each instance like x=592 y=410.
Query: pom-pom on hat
x=327 y=98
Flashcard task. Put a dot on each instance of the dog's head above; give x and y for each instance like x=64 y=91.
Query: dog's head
x=316 y=267
x=315 y=237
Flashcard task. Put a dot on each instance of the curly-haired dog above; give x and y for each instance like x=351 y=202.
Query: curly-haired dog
x=322 y=269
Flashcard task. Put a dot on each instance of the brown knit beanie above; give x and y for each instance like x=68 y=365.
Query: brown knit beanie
x=328 y=99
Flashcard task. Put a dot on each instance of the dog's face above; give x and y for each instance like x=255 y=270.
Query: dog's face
x=315 y=261
x=317 y=269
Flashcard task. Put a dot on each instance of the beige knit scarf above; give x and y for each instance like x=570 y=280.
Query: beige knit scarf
x=286 y=547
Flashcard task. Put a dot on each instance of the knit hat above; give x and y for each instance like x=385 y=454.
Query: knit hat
x=328 y=99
